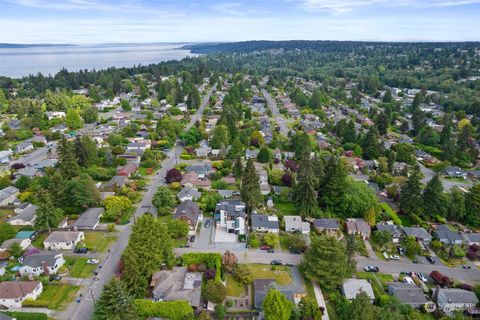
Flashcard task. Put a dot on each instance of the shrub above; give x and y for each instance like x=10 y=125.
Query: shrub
x=28 y=316
x=440 y=279
x=173 y=310
x=466 y=286
x=388 y=211
x=212 y=260
x=215 y=291
x=184 y=156
x=210 y=274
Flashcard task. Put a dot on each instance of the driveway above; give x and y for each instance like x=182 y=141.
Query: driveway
x=204 y=237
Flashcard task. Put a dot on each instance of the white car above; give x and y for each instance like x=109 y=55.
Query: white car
x=394 y=257
x=422 y=277
x=93 y=261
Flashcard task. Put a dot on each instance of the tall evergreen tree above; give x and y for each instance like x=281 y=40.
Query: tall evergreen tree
x=236 y=149
x=349 y=134
x=472 y=205
x=238 y=168
x=456 y=205
x=333 y=184
x=250 y=189
x=411 y=195
x=381 y=123
x=47 y=216
x=370 y=145
x=434 y=200
x=67 y=164
x=115 y=303
x=304 y=193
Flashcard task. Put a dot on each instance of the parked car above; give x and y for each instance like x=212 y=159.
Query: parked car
x=207 y=224
x=371 y=269
x=55 y=277
x=394 y=257
x=265 y=248
x=401 y=250
x=408 y=280
x=431 y=259
x=93 y=261
x=466 y=267
x=276 y=263
x=385 y=255
x=271 y=251
x=192 y=238
x=80 y=250
x=422 y=277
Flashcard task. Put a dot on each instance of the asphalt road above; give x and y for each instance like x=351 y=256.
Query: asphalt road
x=35 y=156
x=280 y=118
x=92 y=289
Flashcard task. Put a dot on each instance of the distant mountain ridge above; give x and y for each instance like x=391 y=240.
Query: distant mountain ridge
x=30 y=45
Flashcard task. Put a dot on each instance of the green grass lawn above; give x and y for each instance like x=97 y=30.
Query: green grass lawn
x=283 y=241
x=281 y=274
x=99 y=241
x=54 y=297
x=383 y=278
x=234 y=288
x=38 y=242
x=79 y=268
x=286 y=208
x=166 y=218
x=5 y=213
x=179 y=242
x=331 y=310
x=310 y=291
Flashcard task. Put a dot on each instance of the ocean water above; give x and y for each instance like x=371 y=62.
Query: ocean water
x=19 y=62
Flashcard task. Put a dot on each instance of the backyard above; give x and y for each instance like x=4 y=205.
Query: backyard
x=234 y=288
x=54 y=297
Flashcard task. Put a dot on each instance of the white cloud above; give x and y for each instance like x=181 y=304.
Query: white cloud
x=343 y=6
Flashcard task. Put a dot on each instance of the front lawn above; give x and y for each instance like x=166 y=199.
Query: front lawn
x=165 y=218
x=54 y=297
x=310 y=291
x=234 y=288
x=4 y=213
x=38 y=242
x=374 y=279
x=281 y=274
x=79 y=268
x=99 y=241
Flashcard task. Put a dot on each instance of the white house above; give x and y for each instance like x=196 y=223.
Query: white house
x=55 y=115
x=8 y=195
x=24 y=147
x=25 y=216
x=295 y=223
x=13 y=293
x=24 y=243
x=264 y=223
x=5 y=156
x=63 y=240
x=450 y=300
x=42 y=263
x=230 y=214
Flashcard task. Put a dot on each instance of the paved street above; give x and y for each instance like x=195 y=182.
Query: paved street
x=93 y=289
x=280 y=118
x=36 y=156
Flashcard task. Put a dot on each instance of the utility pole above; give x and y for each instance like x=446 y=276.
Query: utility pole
x=93 y=297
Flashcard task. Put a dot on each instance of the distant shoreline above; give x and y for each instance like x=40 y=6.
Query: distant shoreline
x=39 y=45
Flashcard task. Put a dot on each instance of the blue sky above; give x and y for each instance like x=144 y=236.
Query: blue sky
x=103 y=21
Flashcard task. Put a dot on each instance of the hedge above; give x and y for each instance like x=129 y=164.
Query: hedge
x=173 y=310
x=212 y=260
x=390 y=213
x=184 y=156
x=28 y=315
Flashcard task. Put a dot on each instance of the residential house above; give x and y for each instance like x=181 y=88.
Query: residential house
x=295 y=224
x=13 y=293
x=352 y=287
x=63 y=240
x=261 y=288
x=329 y=226
x=23 y=147
x=264 y=223
x=192 y=180
x=89 y=220
x=38 y=138
x=188 y=194
x=41 y=263
x=447 y=236
x=23 y=243
x=55 y=115
x=358 y=226
x=137 y=147
x=251 y=154
x=14 y=124
x=189 y=212
x=455 y=172
x=25 y=216
x=231 y=214
x=228 y=194
x=127 y=170
x=8 y=195
x=203 y=151
x=115 y=183
x=30 y=172
x=45 y=164
x=5 y=156
x=61 y=128
x=451 y=299
x=471 y=238
x=419 y=233
x=392 y=229
x=407 y=293
x=177 y=284
x=202 y=170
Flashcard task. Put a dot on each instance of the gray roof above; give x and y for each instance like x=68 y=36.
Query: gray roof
x=234 y=208
x=358 y=225
x=326 y=223
x=264 y=221
x=295 y=222
x=189 y=209
x=261 y=287
x=204 y=168
x=89 y=219
x=407 y=293
x=391 y=228
x=118 y=181
x=186 y=191
x=225 y=193
x=27 y=214
x=472 y=237
x=445 y=234
x=352 y=287
x=417 y=232
x=8 y=192
x=39 y=259
x=62 y=236
x=458 y=296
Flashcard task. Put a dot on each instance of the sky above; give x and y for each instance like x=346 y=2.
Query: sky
x=127 y=21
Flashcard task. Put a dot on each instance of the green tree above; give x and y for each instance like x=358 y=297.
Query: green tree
x=263 y=155
x=178 y=229
x=381 y=123
x=381 y=238
x=115 y=303
x=308 y=309
x=47 y=216
x=361 y=308
x=219 y=137
x=90 y=114
x=271 y=240
x=6 y=231
x=85 y=151
x=370 y=145
x=472 y=205
x=333 y=185
x=193 y=99
x=412 y=247
x=163 y=200
x=411 y=195
x=351 y=249
x=456 y=205
x=276 y=306
x=238 y=168
x=236 y=149
x=23 y=183
x=304 y=192
x=149 y=246
x=67 y=163
x=250 y=189
x=301 y=145
x=243 y=274
x=325 y=262
x=81 y=193
x=116 y=207
x=256 y=139
x=15 y=250
x=357 y=199
x=434 y=200
x=220 y=311
x=215 y=291
x=73 y=119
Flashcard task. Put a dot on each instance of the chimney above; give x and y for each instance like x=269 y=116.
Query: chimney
x=45 y=268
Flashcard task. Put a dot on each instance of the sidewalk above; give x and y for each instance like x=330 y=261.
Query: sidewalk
x=320 y=300
x=370 y=250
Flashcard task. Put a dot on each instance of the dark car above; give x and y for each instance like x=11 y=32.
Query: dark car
x=80 y=250
x=192 y=238
x=401 y=250
x=430 y=259
x=276 y=263
x=466 y=267
x=271 y=251
x=371 y=269
x=207 y=224
x=55 y=277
